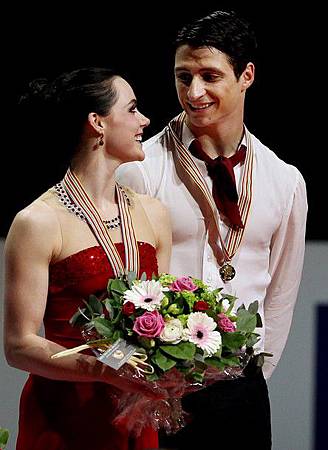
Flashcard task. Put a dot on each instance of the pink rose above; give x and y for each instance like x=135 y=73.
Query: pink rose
x=225 y=323
x=150 y=324
x=183 y=284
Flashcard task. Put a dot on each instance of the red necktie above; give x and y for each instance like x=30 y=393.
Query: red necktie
x=221 y=172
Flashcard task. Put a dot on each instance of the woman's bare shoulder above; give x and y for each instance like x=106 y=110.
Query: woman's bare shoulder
x=37 y=222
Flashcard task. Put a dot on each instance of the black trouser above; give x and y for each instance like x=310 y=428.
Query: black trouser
x=230 y=414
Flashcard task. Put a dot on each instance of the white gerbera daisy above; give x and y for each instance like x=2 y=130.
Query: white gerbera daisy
x=145 y=294
x=202 y=334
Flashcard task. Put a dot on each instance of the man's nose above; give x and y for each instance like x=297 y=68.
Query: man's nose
x=196 y=89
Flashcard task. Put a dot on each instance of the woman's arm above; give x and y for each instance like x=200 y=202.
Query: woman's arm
x=33 y=239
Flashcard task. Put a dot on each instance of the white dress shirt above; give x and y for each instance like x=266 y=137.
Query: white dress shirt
x=269 y=260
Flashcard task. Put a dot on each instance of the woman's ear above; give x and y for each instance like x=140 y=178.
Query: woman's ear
x=95 y=122
x=247 y=77
x=96 y=126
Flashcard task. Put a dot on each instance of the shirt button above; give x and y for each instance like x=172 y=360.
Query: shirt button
x=209 y=258
x=209 y=279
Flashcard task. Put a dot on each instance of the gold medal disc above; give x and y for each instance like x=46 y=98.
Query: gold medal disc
x=227 y=272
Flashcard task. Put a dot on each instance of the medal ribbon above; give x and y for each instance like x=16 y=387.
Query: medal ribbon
x=78 y=195
x=234 y=235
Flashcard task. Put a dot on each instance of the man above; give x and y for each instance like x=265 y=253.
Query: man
x=238 y=217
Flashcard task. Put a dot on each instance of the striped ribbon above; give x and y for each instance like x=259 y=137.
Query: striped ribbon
x=234 y=235
x=78 y=195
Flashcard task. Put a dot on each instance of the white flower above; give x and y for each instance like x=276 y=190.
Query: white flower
x=172 y=332
x=201 y=328
x=145 y=294
x=225 y=304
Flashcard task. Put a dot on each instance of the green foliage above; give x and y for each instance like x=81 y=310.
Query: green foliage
x=4 y=436
x=183 y=350
x=104 y=327
x=162 y=361
x=233 y=341
x=246 y=321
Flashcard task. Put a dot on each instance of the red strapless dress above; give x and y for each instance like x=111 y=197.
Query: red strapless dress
x=64 y=415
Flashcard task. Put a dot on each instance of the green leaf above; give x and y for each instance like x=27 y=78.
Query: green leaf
x=103 y=327
x=4 y=436
x=231 y=298
x=197 y=376
x=152 y=377
x=131 y=277
x=90 y=310
x=118 y=318
x=118 y=286
x=216 y=291
x=110 y=308
x=116 y=300
x=233 y=341
x=95 y=304
x=162 y=361
x=252 y=339
x=143 y=276
x=215 y=362
x=183 y=350
x=246 y=321
x=259 y=323
x=117 y=334
x=253 y=307
x=109 y=284
x=231 y=361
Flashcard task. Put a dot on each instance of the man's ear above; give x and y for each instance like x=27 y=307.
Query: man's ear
x=247 y=77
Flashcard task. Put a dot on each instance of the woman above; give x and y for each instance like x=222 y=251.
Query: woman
x=65 y=246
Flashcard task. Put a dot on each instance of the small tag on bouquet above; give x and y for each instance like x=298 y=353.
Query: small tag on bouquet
x=118 y=354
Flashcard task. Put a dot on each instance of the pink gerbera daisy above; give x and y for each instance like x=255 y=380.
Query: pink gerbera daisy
x=201 y=332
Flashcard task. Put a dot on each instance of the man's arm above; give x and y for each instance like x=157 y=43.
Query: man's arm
x=286 y=264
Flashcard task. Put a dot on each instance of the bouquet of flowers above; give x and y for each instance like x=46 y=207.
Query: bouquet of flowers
x=174 y=332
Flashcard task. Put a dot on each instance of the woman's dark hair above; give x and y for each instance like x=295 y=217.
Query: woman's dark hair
x=224 y=31
x=60 y=107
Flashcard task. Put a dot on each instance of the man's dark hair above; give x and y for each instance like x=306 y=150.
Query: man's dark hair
x=225 y=31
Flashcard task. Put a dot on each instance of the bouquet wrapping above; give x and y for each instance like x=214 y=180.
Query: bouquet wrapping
x=174 y=335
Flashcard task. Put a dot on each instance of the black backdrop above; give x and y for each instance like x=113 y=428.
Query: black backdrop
x=282 y=107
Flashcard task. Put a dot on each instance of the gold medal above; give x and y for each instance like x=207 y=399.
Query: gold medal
x=227 y=272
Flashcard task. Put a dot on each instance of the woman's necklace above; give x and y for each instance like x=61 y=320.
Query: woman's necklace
x=76 y=210
x=111 y=224
x=85 y=209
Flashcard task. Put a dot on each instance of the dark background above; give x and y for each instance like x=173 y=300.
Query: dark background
x=283 y=107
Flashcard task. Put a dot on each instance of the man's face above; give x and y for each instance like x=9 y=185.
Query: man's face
x=207 y=87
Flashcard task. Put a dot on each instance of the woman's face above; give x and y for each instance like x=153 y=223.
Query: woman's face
x=123 y=127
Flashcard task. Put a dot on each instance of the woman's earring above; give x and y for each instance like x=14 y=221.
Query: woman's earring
x=101 y=140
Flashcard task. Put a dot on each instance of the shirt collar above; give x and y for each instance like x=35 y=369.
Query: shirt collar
x=188 y=137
